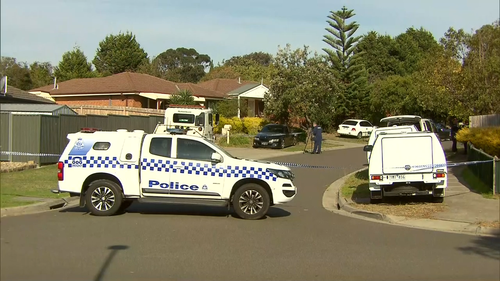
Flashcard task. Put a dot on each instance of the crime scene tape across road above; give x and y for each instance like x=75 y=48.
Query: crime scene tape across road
x=293 y=165
x=29 y=154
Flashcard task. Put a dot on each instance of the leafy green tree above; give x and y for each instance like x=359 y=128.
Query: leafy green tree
x=18 y=73
x=302 y=89
x=455 y=43
x=353 y=98
x=119 y=53
x=379 y=57
x=182 y=65
x=183 y=97
x=224 y=72
x=41 y=74
x=229 y=107
x=414 y=46
x=481 y=72
x=394 y=95
x=261 y=58
x=73 y=65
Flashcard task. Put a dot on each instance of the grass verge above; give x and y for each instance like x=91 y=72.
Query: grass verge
x=475 y=183
x=35 y=183
x=356 y=189
x=335 y=137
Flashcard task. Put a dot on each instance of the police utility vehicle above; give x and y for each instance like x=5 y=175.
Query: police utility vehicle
x=407 y=164
x=111 y=169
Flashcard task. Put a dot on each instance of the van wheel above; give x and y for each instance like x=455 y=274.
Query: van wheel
x=103 y=198
x=438 y=199
x=251 y=201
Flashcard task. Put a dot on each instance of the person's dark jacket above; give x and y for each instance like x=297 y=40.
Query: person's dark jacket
x=317 y=133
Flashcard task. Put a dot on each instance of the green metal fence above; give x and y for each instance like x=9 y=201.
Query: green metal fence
x=44 y=134
x=488 y=173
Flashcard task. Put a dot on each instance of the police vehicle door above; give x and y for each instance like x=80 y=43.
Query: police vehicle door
x=156 y=165
x=194 y=174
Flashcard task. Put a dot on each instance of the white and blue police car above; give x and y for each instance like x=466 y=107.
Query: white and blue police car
x=111 y=169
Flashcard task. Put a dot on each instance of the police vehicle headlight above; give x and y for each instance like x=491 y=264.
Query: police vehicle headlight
x=282 y=173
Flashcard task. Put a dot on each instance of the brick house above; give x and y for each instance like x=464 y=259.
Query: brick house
x=136 y=93
x=251 y=92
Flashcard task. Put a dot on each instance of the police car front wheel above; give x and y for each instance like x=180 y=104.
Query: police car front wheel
x=251 y=201
x=103 y=198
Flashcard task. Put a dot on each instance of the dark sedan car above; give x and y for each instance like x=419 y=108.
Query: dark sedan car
x=443 y=132
x=275 y=136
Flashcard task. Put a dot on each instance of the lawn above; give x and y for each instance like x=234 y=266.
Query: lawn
x=475 y=183
x=28 y=183
x=334 y=137
x=356 y=188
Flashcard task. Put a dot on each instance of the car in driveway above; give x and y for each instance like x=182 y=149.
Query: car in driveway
x=275 y=136
x=355 y=127
x=443 y=132
x=422 y=124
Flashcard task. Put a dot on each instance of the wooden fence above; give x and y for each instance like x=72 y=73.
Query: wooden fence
x=477 y=121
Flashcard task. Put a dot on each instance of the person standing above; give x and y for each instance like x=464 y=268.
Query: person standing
x=454 y=131
x=317 y=133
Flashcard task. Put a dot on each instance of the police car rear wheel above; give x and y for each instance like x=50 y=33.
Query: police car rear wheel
x=251 y=201
x=104 y=198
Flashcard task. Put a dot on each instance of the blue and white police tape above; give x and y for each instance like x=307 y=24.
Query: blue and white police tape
x=29 y=154
x=296 y=165
x=413 y=168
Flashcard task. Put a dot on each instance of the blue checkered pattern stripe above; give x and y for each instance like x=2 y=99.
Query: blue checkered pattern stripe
x=97 y=162
x=190 y=168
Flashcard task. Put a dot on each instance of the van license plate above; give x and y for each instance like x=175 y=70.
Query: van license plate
x=396 y=177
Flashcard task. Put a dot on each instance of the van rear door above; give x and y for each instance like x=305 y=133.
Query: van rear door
x=407 y=154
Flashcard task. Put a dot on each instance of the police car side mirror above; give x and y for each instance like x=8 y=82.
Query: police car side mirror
x=216 y=157
x=368 y=147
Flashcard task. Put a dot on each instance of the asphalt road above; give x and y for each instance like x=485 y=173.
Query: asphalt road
x=300 y=241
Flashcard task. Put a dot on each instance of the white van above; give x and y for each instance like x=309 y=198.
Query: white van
x=422 y=124
x=407 y=164
x=388 y=130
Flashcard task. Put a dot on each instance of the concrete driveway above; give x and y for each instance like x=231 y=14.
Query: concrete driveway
x=299 y=241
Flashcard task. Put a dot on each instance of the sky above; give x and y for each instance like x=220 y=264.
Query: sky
x=34 y=30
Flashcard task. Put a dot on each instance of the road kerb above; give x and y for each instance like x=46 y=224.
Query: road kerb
x=48 y=205
x=334 y=201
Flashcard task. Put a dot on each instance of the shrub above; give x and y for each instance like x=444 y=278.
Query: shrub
x=236 y=140
x=247 y=125
x=235 y=122
x=487 y=139
x=251 y=125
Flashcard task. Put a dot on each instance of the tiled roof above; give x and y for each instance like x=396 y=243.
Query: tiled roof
x=126 y=82
x=17 y=95
x=223 y=85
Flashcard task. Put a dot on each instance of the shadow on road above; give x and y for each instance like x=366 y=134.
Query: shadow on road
x=485 y=246
x=114 y=250
x=187 y=210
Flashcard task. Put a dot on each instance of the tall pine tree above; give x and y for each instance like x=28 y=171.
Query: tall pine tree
x=353 y=97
